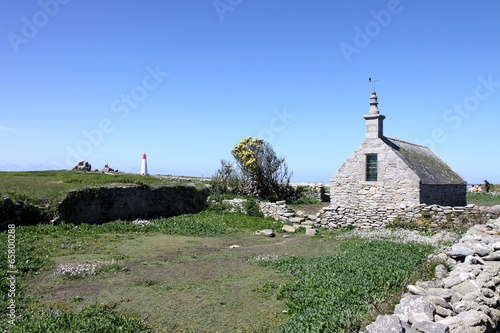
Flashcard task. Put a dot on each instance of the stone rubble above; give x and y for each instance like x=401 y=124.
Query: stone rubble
x=465 y=299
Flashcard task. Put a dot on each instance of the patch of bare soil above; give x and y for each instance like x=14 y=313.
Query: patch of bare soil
x=180 y=284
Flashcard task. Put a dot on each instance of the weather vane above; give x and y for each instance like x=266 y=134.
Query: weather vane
x=373 y=79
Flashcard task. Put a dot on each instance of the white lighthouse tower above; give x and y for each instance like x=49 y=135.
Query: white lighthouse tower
x=144 y=165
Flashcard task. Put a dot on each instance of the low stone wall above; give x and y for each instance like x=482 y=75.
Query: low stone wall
x=314 y=191
x=430 y=217
x=103 y=204
x=465 y=299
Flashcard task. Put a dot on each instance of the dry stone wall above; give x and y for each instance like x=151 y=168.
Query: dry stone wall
x=104 y=204
x=464 y=297
x=432 y=216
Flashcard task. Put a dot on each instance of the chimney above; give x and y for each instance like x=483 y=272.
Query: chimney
x=374 y=120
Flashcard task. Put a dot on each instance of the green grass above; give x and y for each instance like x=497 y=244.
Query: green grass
x=41 y=187
x=181 y=275
x=483 y=199
x=92 y=319
x=336 y=293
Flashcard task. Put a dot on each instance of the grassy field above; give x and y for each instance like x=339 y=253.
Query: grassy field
x=206 y=272
x=49 y=186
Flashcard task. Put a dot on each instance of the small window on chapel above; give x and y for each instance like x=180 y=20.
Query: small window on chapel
x=371 y=167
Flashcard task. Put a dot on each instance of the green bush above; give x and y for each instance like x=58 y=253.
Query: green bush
x=252 y=208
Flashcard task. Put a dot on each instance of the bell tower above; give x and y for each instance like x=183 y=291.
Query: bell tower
x=374 y=120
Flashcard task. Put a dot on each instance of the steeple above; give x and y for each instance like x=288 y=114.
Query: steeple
x=374 y=120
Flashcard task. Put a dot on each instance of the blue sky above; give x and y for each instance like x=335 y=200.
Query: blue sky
x=184 y=81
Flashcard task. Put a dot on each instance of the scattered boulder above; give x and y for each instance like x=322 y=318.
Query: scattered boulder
x=83 y=166
x=385 y=324
x=107 y=169
x=265 y=232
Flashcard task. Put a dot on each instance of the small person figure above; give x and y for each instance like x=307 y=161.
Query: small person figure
x=486 y=186
x=476 y=188
x=471 y=188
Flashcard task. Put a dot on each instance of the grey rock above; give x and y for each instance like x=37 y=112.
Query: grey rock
x=438 y=301
x=493 y=313
x=288 y=228
x=445 y=294
x=385 y=324
x=265 y=232
x=467 y=287
x=443 y=312
x=477 y=321
x=457 y=278
x=440 y=271
x=482 y=249
x=473 y=260
x=430 y=284
x=296 y=219
x=463 y=306
x=460 y=250
x=430 y=327
x=311 y=231
x=415 y=290
x=414 y=308
x=494 y=256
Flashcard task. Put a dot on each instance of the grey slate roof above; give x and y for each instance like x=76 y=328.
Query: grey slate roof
x=425 y=163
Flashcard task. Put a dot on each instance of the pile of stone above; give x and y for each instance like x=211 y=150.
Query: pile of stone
x=280 y=211
x=465 y=299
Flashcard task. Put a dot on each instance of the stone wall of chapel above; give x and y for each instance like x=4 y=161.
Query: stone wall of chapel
x=396 y=185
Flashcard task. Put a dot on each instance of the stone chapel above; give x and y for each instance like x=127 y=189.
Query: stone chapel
x=386 y=173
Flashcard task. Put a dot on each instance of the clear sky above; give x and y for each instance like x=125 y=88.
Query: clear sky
x=184 y=81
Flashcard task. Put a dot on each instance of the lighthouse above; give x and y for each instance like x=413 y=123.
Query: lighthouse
x=144 y=165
